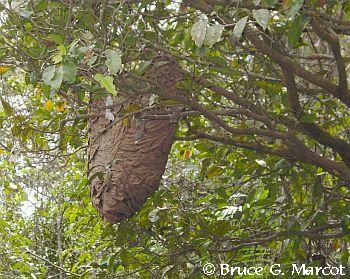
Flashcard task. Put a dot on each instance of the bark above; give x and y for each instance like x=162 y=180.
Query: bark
x=127 y=157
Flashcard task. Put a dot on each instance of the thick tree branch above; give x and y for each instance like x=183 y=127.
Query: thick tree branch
x=253 y=36
x=294 y=152
x=284 y=152
x=333 y=41
x=338 y=145
x=234 y=131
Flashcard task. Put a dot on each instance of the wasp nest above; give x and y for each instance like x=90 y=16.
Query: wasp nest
x=127 y=151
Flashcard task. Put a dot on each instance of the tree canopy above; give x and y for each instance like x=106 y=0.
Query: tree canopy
x=259 y=170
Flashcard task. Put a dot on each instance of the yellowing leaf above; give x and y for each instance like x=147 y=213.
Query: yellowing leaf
x=2 y=151
x=125 y=121
x=62 y=50
x=213 y=171
x=336 y=245
x=61 y=106
x=4 y=69
x=49 y=105
x=57 y=58
x=132 y=108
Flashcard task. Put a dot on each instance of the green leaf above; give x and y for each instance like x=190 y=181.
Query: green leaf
x=270 y=3
x=48 y=74
x=307 y=117
x=213 y=34
x=198 y=31
x=345 y=223
x=42 y=5
x=106 y=82
x=346 y=8
x=143 y=66
x=295 y=6
x=53 y=76
x=297 y=29
x=7 y=108
x=2 y=52
x=62 y=50
x=345 y=257
x=69 y=72
x=58 y=38
x=262 y=17
x=113 y=62
x=56 y=81
x=239 y=27
x=280 y=164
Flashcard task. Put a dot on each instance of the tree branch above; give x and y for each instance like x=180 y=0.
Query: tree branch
x=52 y=264
x=287 y=64
x=333 y=41
x=311 y=129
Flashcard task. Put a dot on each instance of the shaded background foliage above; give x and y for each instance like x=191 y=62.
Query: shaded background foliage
x=246 y=183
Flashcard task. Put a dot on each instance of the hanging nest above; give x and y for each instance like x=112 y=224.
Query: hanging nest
x=127 y=156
